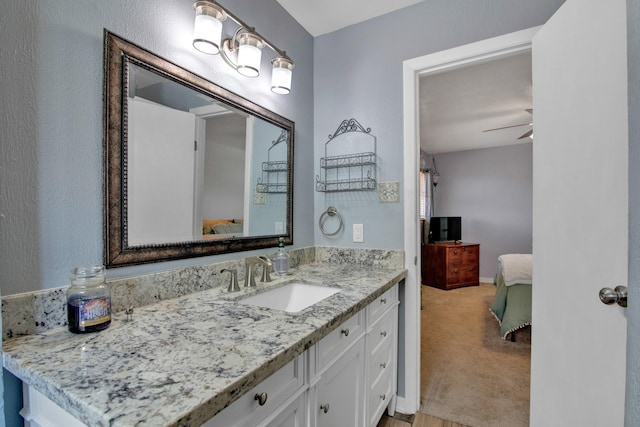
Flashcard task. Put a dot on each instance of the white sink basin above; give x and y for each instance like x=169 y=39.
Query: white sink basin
x=291 y=298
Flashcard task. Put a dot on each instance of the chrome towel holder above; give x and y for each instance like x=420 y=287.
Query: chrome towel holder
x=331 y=211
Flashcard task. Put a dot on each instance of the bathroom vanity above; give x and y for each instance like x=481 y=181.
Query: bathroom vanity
x=209 y=359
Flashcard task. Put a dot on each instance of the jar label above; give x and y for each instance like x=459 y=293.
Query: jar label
x=94 y=312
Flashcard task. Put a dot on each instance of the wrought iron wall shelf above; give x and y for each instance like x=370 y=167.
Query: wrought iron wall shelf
x=274 y=172
x=348 y=171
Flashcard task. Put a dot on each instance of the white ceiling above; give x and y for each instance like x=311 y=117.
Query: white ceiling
x=457 y=106
x=325 y=16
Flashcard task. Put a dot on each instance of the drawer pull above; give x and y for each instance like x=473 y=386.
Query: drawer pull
x=345 y=332
x=383 y=333
x=325 y=408
x=455 y=270
x=383 y=300
x=455 y=252
x=383 y=396
x=261 y=398
x=383 y=365
x=471 y=269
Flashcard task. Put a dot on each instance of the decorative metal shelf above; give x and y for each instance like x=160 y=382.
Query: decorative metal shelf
x=348 y=171
x=274 y=172
x=361 y=159
x=271 y=188
x=278 y=166
x=346 y=185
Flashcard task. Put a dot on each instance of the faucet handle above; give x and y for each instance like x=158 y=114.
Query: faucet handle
x=266 y=268
x=233 y=283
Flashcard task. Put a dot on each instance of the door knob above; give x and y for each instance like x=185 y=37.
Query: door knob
x=618 y=295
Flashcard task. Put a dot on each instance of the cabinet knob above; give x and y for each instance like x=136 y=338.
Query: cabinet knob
x=345 y=332
x=471 y=269
x=383 y=365
x=383 y=396
x=455 y=252
x=455 y=270
x=383 y=300
x=325 y=408
x=261 y=398
x=383 y=333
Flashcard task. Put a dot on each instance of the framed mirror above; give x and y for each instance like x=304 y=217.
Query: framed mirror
x=191 y=169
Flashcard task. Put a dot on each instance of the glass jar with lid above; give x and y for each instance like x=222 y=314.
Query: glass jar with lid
x=88 y=300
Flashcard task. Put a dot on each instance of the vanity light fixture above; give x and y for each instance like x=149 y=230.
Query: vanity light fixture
x=243 y=51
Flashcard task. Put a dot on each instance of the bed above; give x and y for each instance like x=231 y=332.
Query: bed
x=213 y=229
x=512 y=303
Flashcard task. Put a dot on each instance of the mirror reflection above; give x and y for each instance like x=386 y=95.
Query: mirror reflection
x=191 y=169
x=199 y=169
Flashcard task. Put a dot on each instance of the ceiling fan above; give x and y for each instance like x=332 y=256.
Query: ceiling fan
x=528 y=134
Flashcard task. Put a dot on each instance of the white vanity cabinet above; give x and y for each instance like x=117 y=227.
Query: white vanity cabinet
x=346 y=379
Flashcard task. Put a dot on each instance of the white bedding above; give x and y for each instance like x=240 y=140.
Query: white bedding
x=516 y=268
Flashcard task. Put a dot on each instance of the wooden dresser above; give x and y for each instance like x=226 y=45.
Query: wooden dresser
x=451 y=265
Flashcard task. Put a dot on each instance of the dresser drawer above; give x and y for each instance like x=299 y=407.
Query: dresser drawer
x=378 y=307
x=339 y=339
x=273 y=392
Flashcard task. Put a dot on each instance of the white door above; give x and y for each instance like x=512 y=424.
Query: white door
x=580 y=153
x=160 y=174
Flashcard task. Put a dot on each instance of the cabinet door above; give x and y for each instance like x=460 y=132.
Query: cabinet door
x=340 y=391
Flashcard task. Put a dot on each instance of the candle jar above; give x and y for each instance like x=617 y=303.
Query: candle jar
x=88 y=300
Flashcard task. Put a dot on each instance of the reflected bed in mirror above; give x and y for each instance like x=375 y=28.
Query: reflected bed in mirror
x=191 y=169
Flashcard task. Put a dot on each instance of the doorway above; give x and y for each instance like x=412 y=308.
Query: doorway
x=412 y=69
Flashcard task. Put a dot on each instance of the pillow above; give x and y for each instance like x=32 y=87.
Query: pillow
x=228 y=228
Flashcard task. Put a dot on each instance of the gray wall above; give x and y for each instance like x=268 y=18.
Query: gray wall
x=632 y=411
x=358 y=73
x=51 y=122
x=491 y=189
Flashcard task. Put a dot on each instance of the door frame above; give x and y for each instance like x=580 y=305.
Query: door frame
x=412 y=70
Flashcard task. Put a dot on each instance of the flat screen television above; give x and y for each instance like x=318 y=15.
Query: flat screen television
x=445 y=228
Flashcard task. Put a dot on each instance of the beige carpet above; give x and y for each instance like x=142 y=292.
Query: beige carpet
x=469 y=374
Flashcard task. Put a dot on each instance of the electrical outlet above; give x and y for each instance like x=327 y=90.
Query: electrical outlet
x=358 y=233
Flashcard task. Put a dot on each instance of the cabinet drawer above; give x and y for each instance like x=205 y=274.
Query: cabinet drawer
x=339 y=339
x=382 y=304
x=277 y=388
x=381 y=332
x=380 y=396
x=380 y=364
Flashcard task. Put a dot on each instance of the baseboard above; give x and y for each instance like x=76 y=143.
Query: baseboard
x=403 y=407
x=486 y=280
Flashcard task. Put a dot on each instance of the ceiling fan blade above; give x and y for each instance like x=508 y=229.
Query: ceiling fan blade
x=527 y=135
x=507 y=127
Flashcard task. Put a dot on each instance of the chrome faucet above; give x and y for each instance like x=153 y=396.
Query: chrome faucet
x=233 y=282
x=250 y=264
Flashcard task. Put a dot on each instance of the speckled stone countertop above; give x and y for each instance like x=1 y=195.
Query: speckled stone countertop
x=181 y=361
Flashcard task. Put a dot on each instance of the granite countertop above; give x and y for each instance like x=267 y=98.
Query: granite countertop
x=181 y=361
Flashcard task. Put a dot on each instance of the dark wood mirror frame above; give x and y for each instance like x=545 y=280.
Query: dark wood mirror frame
x=118 y=53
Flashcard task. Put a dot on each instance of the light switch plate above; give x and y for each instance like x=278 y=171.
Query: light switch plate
x=389 y=192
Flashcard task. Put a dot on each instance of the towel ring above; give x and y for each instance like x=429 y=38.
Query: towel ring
x=331 y=211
